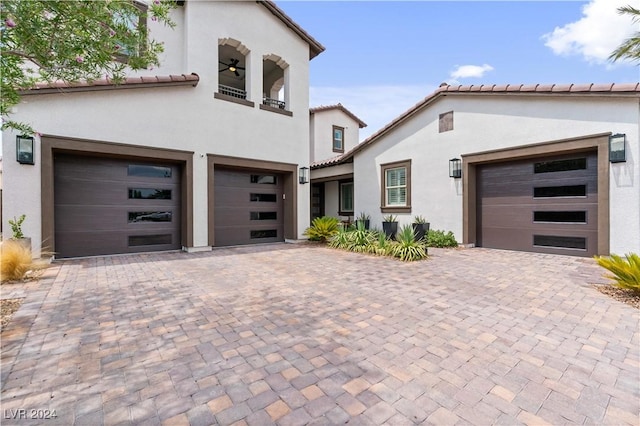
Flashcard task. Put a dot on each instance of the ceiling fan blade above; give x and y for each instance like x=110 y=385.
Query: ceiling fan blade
x=237 y=73
x=223 y=69
x=240 y=68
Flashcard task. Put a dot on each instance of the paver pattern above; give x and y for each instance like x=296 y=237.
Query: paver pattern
x=301 y=334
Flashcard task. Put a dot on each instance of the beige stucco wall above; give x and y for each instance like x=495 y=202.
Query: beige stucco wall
x=184 y=118
x=489 y=122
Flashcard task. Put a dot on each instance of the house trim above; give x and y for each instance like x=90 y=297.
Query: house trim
x=276 y=110
x=228 y=98
x=598 y=142
x=290 y=178
x=51 y=144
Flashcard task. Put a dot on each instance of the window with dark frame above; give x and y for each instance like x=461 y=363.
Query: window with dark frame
x=346 y=198
x=338 y=139
x=396 y=187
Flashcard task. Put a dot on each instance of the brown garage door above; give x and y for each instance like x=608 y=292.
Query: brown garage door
x=546 y=205
x=248 y=207
x=107 y=206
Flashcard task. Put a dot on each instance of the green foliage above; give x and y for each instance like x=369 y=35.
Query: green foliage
x=630 y=48
x=382 y=246
x=363 y=216
x=356 y=238
x=625 y=271
x=390 y=218
x=406 y=248
x=322 y=228
x=419 y=219
x=47 y=41
x=438 y=238
x=16 y=226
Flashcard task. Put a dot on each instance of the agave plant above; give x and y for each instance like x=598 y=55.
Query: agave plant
x=625 y=271
x=322 y=228
x=406 y=247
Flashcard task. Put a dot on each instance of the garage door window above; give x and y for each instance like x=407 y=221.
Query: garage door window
x=149 y=194
x=263 y=198
x=263 y=215
x=149 y=240
x=560 y=216
x=265 y=233
x=135 y=217
x=560 y=165
x=264 y=179
x=557 y=241
x=560 y=191
x=149 y=171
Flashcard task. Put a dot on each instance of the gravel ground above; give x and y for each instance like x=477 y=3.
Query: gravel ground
x=621 y=295
x=7 y=308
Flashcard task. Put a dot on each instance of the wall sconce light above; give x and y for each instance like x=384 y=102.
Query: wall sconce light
x=24 y=149
x=617 y=144
x=304 y=175
x=455 y=168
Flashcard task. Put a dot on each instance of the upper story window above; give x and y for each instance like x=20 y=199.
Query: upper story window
x=232 y=70
x=275 y=87
x=135 y=20
x=338 y=139
x=396 y=187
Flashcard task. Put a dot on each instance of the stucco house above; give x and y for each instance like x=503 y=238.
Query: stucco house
x=204 y=151
x=543 y=168
x=333 y=130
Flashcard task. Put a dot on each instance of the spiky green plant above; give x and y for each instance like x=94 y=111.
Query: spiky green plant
x=406 y=248
x=340 y=240
x=322 y=228
x=381 y=246
x=624 y=271
x=360 y=238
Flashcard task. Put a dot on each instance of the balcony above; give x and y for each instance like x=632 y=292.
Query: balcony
x=273 y=103
x=232 y=91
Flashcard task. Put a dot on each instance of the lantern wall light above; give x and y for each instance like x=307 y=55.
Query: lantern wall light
x=24 y=150
x=304 y=175
x=617 y=146
x=455 y=168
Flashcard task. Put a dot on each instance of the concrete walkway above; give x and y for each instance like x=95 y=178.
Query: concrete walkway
x=302 y=334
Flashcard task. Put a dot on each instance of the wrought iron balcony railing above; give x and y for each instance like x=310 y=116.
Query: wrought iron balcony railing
x=273 y=103
x=232 y=91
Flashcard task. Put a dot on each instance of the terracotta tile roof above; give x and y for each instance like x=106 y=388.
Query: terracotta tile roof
x=329 y=162
x=608 y=89
x=315 y=48
x=340 y=107
x=108 y=84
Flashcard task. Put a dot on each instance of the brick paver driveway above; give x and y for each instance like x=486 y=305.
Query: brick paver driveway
x=301 y=334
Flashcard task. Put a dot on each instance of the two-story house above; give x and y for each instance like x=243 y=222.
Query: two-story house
x=206 y=150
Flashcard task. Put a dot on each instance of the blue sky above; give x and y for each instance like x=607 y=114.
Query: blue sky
x=384 y=56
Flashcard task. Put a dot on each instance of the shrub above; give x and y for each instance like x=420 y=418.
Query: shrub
x=438 y=238
x=16 y=226
x=381 y=246
x=625 y=271
x=356 y=238
x=322 y=228
x=17 y=263
x=406 y=247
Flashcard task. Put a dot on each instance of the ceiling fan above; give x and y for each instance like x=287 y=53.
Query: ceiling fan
x=232 y=66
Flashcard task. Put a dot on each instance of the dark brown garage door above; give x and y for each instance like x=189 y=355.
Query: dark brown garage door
x=248 y=207
x=106 y=206
x=546 y=205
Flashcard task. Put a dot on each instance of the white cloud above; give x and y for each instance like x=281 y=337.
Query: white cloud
x=375 y=105
x=466 y=71
x=600 y=30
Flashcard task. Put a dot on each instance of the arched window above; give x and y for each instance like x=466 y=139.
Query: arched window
x=233 y=69
x=275 y=76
